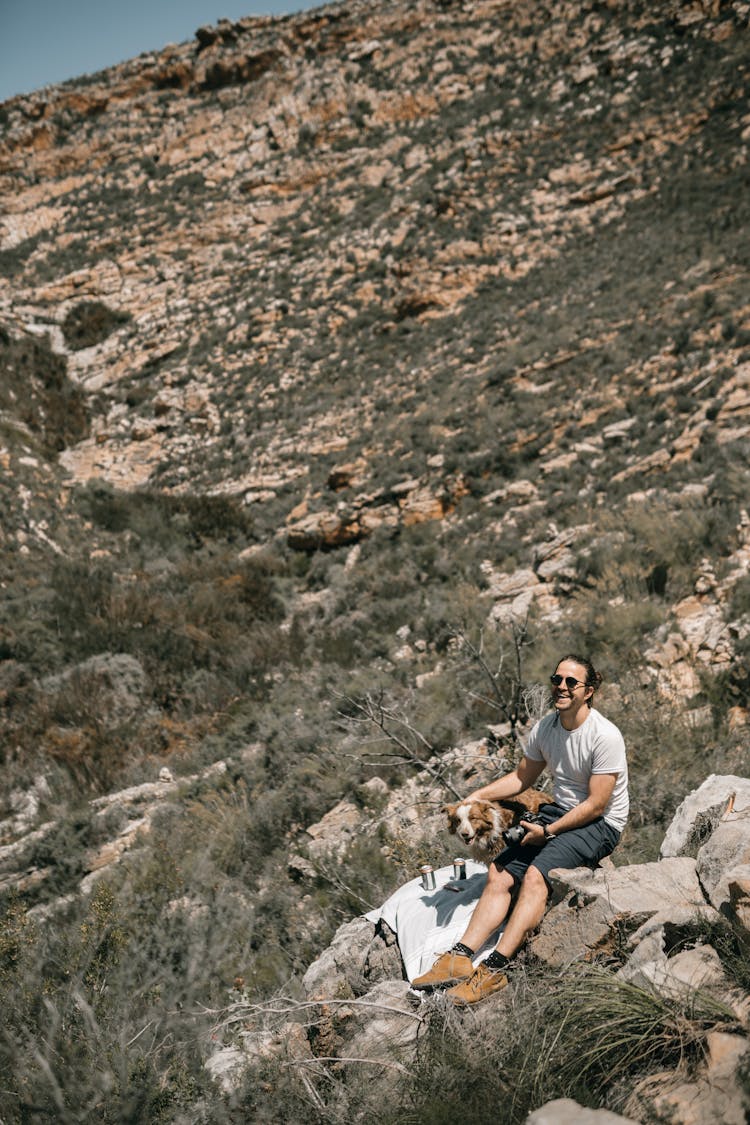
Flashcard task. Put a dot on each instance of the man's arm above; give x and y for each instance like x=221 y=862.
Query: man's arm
x=510 y=784
x=601 y=787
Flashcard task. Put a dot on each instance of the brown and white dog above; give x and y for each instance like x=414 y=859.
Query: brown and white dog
x=480 y=824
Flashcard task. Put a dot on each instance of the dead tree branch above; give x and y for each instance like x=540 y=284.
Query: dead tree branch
x=371 y=710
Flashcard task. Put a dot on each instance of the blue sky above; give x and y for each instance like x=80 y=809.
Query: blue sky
x=45 y=41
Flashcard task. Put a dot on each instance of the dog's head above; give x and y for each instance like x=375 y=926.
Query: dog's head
x=479 y=824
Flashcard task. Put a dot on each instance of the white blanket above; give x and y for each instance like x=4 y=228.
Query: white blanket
x=427 y=923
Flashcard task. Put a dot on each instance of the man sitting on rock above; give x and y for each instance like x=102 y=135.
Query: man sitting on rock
x=585 y=753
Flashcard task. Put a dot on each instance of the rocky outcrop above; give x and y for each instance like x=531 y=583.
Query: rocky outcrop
x=650 y=923
x=406 y=504
x=123 y=817
x=700 y=637
x=464 y=283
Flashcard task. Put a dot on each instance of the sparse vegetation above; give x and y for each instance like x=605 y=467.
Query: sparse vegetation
x=491 y=279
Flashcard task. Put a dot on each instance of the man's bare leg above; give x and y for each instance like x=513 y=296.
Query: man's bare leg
x=491 y=910
x=527 y=913
x=490 y=976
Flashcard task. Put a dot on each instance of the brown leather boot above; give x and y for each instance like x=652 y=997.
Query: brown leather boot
x=448 y=969
x=483 y=982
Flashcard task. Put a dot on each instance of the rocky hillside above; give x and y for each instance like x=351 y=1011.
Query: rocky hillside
x=353 y=365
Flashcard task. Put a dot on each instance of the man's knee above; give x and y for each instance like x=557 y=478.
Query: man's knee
x=535 y=883
x=499 y=880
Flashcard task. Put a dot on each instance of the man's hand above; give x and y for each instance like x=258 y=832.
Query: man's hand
x=534 y=833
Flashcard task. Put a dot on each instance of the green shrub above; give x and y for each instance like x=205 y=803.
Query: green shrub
x=35 y=389
x=89 y=323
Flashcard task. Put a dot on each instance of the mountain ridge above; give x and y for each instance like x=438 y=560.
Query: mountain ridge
x=353 y=364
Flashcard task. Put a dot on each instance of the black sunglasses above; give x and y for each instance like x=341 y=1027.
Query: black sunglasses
x=570 y=681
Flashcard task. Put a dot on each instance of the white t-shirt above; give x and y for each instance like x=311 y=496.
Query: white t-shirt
x=572 y=756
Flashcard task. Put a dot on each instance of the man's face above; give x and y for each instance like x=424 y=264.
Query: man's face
x=569 y=697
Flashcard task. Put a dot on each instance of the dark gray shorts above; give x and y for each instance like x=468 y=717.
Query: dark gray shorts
x=580 y=847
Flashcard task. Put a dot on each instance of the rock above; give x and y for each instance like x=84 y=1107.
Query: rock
x=702 y=624
x=715 y=1096
x=301 y=868
x=383 y=1024
x=727 y=849
x=738 y=907
x=335 y=831
x=323 y=531
x=229 y=1065
x=227 y=1068
x=555 y=559
x=616 y=432
x=13 y=854
x=573 y=931
x=24 y=804
x=676 y=978
x=423 y=505
x=349 y=475
x=664 y=930
x=701 y=811
x=383 y=958
x=502 y=586
x=589 y=906
x=564 y=1111
x=340 y=968
x=645 y=888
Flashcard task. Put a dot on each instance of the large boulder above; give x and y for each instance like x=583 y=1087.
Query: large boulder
x=591 y=908
x=340 y=969
x=564 y=1111
x=726 y=851
x=702 y=810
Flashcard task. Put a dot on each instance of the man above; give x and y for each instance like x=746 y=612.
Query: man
x=585 y=754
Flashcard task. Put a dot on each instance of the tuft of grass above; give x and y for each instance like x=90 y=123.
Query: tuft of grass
x=585 y=1035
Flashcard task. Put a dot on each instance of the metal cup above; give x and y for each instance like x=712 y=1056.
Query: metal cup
x=428 y=877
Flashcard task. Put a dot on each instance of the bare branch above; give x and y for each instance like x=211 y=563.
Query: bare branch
x=336 y=1059
x=507 y=688
x=394 y=728
x=286 y=1005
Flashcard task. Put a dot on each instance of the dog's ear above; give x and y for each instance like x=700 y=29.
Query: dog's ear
x=450 y=812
